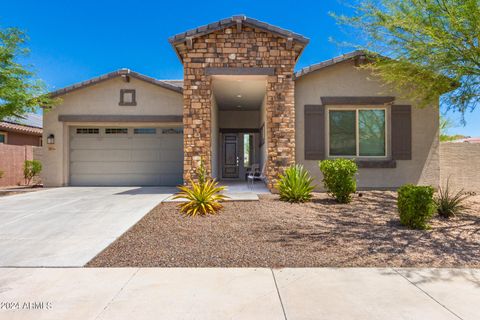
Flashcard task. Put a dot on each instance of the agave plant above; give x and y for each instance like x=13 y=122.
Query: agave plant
x=450 y=203
x=295 y=185
x=202 y=198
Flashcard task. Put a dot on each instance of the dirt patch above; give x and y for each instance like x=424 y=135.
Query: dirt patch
x=322 y=233
x=8 y=191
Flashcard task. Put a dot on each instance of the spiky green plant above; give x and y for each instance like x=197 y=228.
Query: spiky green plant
x=295 y=185
x=450 y=203
x=202 y=197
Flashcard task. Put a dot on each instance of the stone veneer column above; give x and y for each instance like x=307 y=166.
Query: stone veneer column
x=280 y=125
x=245 y=48
x=196 y=121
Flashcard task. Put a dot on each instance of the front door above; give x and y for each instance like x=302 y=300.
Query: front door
x=230 y=156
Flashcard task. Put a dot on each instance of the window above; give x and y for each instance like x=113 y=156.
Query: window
x=144 y=131
x=88 y=130
x=128 y=97
x=247 y=149
x=172 y=131
x=116 y=131
x=359 y=132
x=3 y=138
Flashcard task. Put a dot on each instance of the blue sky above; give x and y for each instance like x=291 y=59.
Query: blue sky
x=75 y=41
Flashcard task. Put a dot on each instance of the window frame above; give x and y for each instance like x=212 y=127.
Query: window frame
x=5 y=134
x=89 y=131
x=357 y=131
x=146 y=131
x=116 y=131
x=133 y=92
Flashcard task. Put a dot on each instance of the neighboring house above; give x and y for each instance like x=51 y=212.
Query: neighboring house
x=468 y=140
x=240 y=104
x=22 y=130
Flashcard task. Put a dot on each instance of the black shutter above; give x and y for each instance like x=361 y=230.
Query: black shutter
x=314 y=132
x=402 y=132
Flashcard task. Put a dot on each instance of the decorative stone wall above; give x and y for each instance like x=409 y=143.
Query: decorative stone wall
x=460 y=165
x=245 y=48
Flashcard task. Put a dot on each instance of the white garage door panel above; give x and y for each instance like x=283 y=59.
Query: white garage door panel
x=98 y=155
x=146 y=155
x=130 y=180
x=79 y=142
x=79 y=168
x=126 y=159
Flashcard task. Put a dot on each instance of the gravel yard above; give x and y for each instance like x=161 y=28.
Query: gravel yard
x=271 y=233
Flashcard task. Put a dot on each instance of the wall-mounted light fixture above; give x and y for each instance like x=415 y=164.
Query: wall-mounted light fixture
x=51 y=139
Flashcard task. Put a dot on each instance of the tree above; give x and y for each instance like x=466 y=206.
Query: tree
x=31 y=170
x=445 y=125
x=432 y=47
x=20 y=91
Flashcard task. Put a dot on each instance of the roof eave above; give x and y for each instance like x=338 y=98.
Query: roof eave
x=111 y=75
x=331 y=62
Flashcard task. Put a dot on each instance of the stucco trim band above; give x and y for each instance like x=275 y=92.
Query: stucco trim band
x=211 y=71
x=376 y=163
x=356 y=100
x=119 y=118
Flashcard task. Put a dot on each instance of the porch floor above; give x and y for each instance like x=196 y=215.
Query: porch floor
x=241 y=191
x=235 y=186
x=237 y=191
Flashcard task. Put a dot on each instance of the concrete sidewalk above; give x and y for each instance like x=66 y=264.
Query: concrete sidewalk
x=176 y=293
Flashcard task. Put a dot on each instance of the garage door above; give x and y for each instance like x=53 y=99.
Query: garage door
x=126 y=156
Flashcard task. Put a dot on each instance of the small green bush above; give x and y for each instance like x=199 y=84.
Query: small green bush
x=339 y=178
x=31 y=170
x=416 y=205
x=450 y=203
x=1 y=174
x=295 y=185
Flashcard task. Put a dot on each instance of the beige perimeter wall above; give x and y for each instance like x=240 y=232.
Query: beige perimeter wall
x=344 y=79
x=100 y=99
x=460 y=162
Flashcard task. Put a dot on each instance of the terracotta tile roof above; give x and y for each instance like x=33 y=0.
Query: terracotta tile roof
x=6 y=126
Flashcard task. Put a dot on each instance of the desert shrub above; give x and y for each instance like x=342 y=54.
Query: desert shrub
x=339 y=178
x=202 y=197
x=1 y=174
x=31 y=170
x=450 y=203
x=415 y=205
x=295 y=185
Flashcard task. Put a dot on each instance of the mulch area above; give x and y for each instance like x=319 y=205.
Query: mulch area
x=322 y=233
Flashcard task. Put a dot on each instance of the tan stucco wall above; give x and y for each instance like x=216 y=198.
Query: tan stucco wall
x=100 y=99
x=22 y=139
x=263 y=147
x=460 y=164
x=215 y=139
x=344 y=79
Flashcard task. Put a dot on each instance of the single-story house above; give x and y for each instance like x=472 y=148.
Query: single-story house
x=24 y=130
x=240 y=105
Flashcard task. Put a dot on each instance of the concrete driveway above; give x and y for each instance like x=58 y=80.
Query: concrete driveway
x=69 y=226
